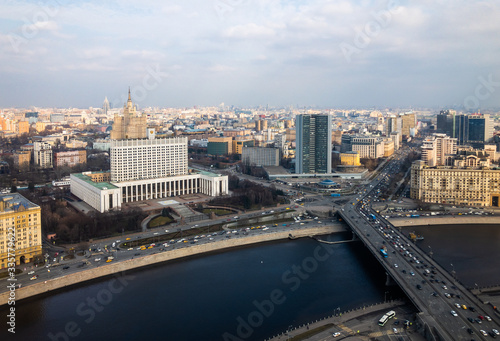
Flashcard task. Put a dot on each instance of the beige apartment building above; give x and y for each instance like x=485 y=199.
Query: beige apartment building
x=22 y=218
x=471 y=186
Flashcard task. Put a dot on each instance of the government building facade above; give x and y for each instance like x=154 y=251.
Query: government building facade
x=144 y=169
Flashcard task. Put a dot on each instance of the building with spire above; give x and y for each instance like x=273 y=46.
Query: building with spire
x=105 y=106
x=143 y=167
x=130 y=125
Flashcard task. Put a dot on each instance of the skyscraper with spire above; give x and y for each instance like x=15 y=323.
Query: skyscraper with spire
x=105 y=106
x=129 y=125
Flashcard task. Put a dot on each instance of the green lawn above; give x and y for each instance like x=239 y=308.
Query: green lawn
x=217 y=211
x=159 y=221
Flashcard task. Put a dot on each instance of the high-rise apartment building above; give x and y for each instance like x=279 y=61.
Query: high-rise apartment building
x=408 y=123
x=314 y=144
x=42 y=155
x=436 y=148
x=20 y=215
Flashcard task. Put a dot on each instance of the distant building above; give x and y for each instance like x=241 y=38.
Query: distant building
x=367 y=146
x=260 y=125
x=314 y=144
x=474 y=129
x=22 y=159
x=220 y=145
x=42 y=155
x=240 y=143
x=21 y=216
x=130 y=125
x=70 y=158
x=436 y=148
x=105 y=106
x=260 y=156
x=350 y=159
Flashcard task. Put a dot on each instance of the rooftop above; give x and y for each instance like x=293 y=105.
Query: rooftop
x=14 y=201
x=99 y=185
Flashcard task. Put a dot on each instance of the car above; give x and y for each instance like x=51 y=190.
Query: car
x=435 y=294
x=487 y=318
x=481 y=317
x=419 y=287
x=447 y=295
x=464 y=307
x=493 y=335
x=412 y=273
x=483 y=332
x=478 y=320
x=454 y=313
x=33 y=277
x=31 y=272
x=395 y=265
x=336 y=334
x=395 y=330
x=470 y=331
x=137 y=254
x=457 y=305
x=65 y=267
x=495 y=331
x=471 y=320
x=472 y=309
x=445 y=287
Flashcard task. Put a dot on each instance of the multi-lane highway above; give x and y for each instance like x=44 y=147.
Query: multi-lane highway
x=448 y=309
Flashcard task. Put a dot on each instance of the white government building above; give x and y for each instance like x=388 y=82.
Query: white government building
x=145 y=169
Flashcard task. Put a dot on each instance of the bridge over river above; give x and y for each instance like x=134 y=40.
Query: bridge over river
x=433 y=290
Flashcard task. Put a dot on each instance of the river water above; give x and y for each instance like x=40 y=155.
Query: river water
x=472 y=251
x=208 y=297
x=249 y=293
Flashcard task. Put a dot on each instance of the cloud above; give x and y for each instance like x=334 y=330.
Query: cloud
x=249 y=31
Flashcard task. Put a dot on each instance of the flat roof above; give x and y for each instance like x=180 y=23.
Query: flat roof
x=213 y=175
x=15 y=200
x=99 y=185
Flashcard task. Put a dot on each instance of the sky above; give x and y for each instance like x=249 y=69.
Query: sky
x=330 y=54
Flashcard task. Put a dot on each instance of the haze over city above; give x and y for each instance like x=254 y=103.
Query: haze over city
x=248 y=53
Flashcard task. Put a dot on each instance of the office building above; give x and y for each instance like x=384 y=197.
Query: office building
x=475 y=129
x=367 y=146
x=105 y=106
x=240 y=143
x=350 y=159
x=255 y=156
x=24 y=217
x=313 y=153
x=220 y=145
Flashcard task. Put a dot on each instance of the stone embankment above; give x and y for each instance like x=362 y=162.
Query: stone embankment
x=444 y=220
x=118 y=267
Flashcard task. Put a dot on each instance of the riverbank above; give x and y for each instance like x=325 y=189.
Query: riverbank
x=131 y=264
x=444 y=220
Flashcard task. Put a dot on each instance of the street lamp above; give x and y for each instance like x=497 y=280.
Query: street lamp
x=430 y=252
x=453 y=271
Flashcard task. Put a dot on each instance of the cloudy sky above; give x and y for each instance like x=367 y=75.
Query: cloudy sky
x=323 y=53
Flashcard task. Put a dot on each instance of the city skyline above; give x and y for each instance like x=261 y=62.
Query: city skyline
x=248 y=53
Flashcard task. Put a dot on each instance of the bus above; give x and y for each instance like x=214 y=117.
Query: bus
x=387 y=316
x=372 y=217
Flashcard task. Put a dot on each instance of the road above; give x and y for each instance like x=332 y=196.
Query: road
x=431 y=288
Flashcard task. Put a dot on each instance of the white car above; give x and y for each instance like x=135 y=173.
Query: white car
x=31 y=272
x=97 y=259
x=395 y=265
x=454 y=313
x=336 y=334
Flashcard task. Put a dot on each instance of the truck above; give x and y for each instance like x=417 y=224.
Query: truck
x=335 y=194
x=415 y=216
x=383 y=252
